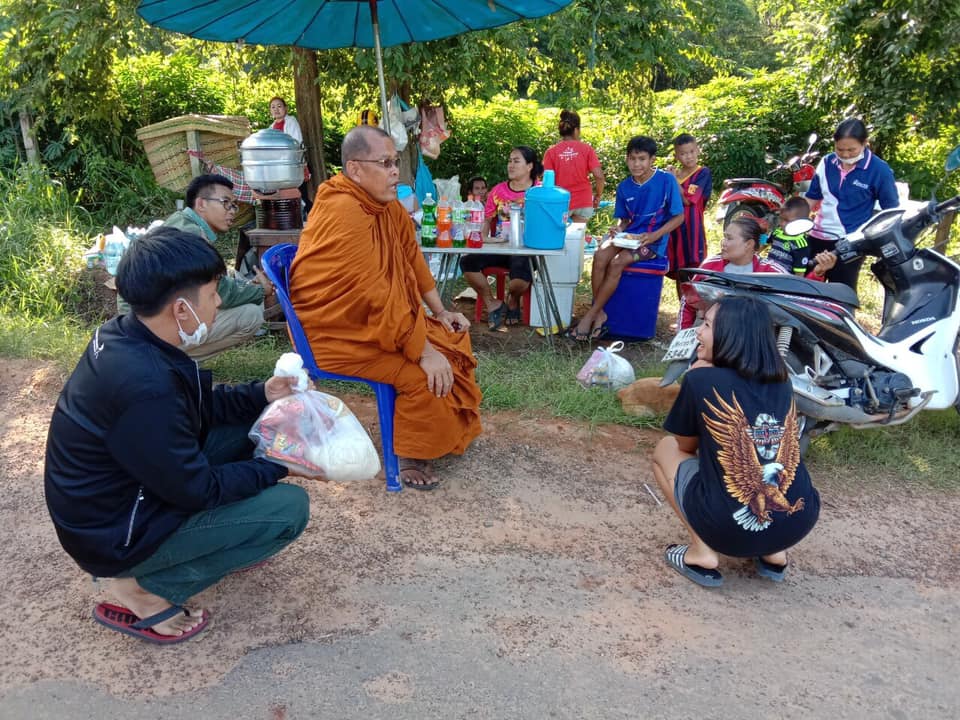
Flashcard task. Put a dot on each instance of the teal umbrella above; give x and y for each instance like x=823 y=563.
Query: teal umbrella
x=329 y=24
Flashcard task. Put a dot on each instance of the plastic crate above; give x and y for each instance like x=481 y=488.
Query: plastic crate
x=632 y=309
x=166 y=143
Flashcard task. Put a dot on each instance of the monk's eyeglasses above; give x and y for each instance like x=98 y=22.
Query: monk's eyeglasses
x=385 y=163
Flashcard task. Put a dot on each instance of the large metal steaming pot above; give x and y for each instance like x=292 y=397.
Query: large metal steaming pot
x=272 y=160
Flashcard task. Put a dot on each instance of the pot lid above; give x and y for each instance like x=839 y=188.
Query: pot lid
x=270 y=138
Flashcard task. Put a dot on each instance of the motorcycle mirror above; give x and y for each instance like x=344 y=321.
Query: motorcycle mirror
x=953 y=160
x=811 y=140
x=770 y=159
x=799 y=226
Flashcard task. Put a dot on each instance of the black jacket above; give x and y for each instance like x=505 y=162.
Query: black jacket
x=124 y=466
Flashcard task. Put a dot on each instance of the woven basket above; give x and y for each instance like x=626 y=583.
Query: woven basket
x=166 y=144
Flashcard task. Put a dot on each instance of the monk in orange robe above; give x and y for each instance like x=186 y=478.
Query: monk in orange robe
x=359 y=283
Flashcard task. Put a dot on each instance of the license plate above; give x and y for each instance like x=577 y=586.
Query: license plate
x=683 y=347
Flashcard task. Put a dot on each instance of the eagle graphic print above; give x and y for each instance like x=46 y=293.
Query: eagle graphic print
x=759 y=460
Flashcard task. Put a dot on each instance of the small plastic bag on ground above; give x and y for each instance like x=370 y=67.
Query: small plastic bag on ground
x=315 y=435
x=606 y=369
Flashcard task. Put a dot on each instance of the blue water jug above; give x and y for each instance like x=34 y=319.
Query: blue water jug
x=545 y=215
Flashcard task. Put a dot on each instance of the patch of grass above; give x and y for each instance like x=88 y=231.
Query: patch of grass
x=923 y=451
x=543 y=381
x=61 y=340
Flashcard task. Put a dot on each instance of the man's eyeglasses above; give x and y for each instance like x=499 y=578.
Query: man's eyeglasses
x=385 y=163
x=228 y=204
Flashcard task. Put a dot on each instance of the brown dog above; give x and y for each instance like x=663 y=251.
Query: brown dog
x=645 y=397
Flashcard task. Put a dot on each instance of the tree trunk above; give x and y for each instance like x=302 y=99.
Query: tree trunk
x=306 y=85
x=26 y=130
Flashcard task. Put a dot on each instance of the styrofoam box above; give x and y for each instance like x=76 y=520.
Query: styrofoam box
x=568 y=267
x=563 y=292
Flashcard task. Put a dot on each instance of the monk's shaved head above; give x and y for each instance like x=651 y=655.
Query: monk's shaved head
x=356 y=143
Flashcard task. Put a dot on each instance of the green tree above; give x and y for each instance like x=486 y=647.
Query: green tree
x=887 y=60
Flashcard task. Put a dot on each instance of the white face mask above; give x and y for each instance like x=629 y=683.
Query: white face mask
x=198 y=335
x=853 y=160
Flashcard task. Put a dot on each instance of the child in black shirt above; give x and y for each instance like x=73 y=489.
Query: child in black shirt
x=732 y=469
x=792 y=252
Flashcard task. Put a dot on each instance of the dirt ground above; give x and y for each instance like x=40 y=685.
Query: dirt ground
x=531 y=584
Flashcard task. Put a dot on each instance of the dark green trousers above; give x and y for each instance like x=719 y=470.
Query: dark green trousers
x=214 y=543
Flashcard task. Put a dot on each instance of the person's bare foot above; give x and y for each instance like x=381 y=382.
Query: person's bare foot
x=417 y=474
x=143 y=604
x=779 y=558
x=701 y=555
x=597 y=326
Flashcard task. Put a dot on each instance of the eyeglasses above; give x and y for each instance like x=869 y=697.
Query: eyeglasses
x=228 y=203
x=385 y=163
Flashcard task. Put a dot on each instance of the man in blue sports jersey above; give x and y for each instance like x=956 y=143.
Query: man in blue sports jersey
x=649 y=205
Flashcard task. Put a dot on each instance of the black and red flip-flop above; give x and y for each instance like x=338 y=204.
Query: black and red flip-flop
x=124 y=621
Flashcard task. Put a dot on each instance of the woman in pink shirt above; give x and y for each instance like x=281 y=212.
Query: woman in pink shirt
x=573 y=162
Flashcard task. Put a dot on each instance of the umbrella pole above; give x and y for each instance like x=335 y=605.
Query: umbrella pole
x=375 y=21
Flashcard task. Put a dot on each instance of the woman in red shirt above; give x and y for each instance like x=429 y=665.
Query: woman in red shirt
x=573 y=162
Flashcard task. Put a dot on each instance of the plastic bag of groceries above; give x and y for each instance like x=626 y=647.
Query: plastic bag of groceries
x=606 y=369
x=315 y=435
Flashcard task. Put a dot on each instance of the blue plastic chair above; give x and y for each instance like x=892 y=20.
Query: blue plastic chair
x=276 y=264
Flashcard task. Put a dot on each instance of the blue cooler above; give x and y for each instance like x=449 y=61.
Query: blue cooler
x=545 y=215
x=632 y=309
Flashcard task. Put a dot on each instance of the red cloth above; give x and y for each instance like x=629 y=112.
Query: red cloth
x=572 y=161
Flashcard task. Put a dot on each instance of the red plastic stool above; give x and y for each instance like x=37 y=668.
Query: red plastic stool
x=500 y=273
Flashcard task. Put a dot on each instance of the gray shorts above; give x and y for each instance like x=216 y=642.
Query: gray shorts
x=584 y=212
x=685 y=473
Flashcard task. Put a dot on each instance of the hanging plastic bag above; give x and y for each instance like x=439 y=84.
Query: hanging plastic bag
x=315 y=435
x=606 y=369
x=433 y=130
x=398 y=131
x=424 y=180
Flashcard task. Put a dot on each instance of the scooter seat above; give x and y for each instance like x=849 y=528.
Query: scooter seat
x=787 y=284
x=738 y=182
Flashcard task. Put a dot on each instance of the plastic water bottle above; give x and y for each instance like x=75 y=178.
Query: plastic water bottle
x=112 y=252
x=444 y=224
x=474 y=226
x=428 y=225
x=459 y=213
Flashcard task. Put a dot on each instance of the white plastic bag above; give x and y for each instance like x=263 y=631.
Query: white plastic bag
x=315 y=435
x=398 y=130
x=606 y=369
x=449 y=187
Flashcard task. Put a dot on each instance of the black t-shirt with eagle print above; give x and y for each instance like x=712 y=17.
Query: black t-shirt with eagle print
x=752 y=494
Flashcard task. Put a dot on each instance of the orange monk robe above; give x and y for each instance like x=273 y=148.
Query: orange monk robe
x=357 y=283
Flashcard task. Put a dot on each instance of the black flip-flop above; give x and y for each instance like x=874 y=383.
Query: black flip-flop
x=513 y=316
x=769 y=570
x=599 y=333
x=496 y=317
x=700 y=575
x=574 y=334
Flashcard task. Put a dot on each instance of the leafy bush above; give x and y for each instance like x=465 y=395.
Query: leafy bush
x=43 y=233
x=156 y=87
x=919 y=160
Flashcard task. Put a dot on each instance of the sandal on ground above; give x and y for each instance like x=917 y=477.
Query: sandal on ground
x=574 y=332
x=415 y=474
x=769 y=570
x=700 y=575
x=123 y=620
x=496 y=317
x=513 y=316
x=599 y=332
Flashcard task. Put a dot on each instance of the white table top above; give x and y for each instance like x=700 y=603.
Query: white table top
x=490 y=249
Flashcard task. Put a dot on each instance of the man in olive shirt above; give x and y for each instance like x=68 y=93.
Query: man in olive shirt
x=211 y=208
